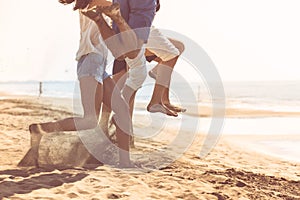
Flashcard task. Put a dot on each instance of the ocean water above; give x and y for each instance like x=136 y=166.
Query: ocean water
x=59 y=89
x=273 y=96
x=270 y=95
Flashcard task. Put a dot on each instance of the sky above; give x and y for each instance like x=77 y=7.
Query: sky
x=255 y=40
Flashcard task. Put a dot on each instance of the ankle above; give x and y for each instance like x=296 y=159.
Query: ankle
x=34 y=128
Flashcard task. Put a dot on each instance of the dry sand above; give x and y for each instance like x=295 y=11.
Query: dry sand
x=230 y=171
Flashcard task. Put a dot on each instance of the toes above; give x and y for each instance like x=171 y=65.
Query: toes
x=175 y=108
x=160 y=108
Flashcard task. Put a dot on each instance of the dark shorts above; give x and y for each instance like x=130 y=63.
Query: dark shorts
x=120 y=65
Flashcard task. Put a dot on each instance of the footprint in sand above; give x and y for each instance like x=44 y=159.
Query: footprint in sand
x=115 y=196
x=240 y=184
x=219 y=196
x=72 y=195
x=83 y=192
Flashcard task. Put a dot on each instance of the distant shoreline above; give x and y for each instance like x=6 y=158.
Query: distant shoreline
x=195 y=110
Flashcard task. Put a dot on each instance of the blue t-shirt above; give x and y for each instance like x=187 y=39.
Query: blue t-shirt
x=139 y=15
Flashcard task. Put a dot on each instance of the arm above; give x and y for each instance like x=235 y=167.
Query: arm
x=121 y=45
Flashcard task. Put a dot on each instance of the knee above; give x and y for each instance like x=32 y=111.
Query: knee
x=136 y=50
x=178 y=44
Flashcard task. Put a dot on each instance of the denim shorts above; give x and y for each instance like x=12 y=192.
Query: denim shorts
x=92 y=64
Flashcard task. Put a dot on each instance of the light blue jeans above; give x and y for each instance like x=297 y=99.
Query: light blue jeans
x=92 y=64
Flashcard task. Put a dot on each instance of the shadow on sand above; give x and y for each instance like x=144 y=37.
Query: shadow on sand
x=24 y=181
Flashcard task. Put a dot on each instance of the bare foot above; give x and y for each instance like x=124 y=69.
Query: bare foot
x=161 y=108
x=30 y=158
x=35 y=135
x=175 y=108
x=113 y=133
x=127 y=165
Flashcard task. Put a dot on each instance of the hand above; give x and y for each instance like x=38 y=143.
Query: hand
x=91 y=13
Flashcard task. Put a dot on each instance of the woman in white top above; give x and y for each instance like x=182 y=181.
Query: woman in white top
x=93 y=80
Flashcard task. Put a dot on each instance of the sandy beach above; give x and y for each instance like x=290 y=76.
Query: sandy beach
x=230 y=171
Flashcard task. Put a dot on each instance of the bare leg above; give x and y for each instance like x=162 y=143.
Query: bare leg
x=131 y=106
x=120 y=78
x=127 y=45
x=153 y=72
x=91 y=97
x=166 y=102
x=165 y=98
x=163 y=105
x=104 y=120
x=116 y=102
x=162 y=83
